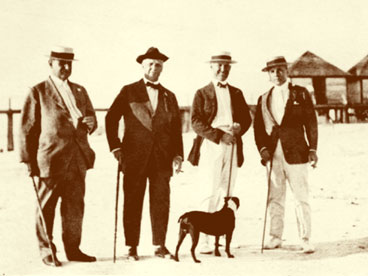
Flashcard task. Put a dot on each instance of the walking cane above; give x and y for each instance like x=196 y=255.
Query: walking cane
x=43 y=221
x=116 y=209
x=231 y=166
x=268 y=196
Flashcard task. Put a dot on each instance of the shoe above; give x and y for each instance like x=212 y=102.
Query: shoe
x=273 y=243
x=49 y=261
x=132 y=253
x=205 y=249
x=163 y=252
x=79 y=256
x=307 y=247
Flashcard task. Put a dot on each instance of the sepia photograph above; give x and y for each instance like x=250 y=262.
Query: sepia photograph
x=170 y=137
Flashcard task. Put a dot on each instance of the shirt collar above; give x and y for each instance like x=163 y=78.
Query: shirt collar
x=145 y=81
x=283 y=87
x=215 y=82
x=58 y=81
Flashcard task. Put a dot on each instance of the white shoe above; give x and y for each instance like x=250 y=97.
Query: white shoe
x=273 y=243
x=307 y=247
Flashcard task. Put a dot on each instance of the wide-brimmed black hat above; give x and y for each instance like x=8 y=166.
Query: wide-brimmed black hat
x=276 y=61
x=152 y=53
x=63 y=53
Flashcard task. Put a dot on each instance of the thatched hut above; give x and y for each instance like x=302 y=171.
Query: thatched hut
x=358 y=83
x=325 y=81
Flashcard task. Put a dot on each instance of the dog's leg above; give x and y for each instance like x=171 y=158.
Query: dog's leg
x=195 y=239
x=217 y=244
x=182 y=234
x=228 y=241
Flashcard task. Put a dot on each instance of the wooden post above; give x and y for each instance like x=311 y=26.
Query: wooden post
x=10 y=128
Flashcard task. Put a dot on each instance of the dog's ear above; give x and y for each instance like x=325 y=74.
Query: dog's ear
x=236 y=201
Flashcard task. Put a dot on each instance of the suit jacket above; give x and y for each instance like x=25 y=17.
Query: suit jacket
x=147 y=134
x=47 y=133
x=298 y=129
x=204 y=110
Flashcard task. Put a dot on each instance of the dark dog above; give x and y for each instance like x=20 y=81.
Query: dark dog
x=216 y=224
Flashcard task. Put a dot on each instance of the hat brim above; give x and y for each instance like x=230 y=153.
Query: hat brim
x=221 y=61
x=267 y=68
x=66 y=59
x=145 y=56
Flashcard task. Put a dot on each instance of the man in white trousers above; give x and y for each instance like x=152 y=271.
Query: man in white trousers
x=285 y=129
x=220 y=116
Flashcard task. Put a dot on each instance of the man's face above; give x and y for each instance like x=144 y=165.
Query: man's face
x=220 y=70
x=152 y=68
x=61 y=68
x=278 y=75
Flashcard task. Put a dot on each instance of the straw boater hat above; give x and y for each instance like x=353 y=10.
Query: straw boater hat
x=63 y=53
x=276 y=61
x=222 y=57
x=152 y=53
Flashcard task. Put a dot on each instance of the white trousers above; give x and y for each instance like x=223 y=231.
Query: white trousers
x=214 y=169
x=297 y=177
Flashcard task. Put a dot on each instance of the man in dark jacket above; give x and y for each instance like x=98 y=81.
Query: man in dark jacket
x=220 y=116
x=285 y=129
x=152 y=142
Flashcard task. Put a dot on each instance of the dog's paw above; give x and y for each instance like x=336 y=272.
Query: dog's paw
x=217 y=254
x=197 y=261
x=230 y=256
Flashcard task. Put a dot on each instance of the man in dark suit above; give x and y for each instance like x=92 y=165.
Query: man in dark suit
x=285 y=129
x=55 y=120
x=220 y=116
x=152 y=142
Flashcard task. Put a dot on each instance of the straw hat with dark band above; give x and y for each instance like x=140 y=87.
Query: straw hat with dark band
x=276 y=61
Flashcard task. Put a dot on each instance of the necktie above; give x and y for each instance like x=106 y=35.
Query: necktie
x=219 y=84
x=154 y=86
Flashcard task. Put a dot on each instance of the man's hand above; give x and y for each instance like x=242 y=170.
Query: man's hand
x=228 y=139
x=178 y=160
x=313 y=158
x=118 y=155
x=33 y=169
x=266 y=156
x=236 y=128
x=89 y=121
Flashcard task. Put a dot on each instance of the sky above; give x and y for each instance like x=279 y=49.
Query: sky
x=107 y=36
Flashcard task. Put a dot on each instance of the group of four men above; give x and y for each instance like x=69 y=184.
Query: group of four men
x=58 y=115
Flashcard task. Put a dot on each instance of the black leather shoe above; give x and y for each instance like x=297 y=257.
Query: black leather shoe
x=79 y=256
x=132 y=253
x=163 y=252
x=49 y=261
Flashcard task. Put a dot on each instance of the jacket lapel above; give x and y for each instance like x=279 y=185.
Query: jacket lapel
x=141 y=107
x=52 y=91
x=211 y=94
x=77 y=95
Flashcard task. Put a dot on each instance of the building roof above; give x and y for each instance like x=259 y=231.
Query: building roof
x=311 y=65
x=361 y=68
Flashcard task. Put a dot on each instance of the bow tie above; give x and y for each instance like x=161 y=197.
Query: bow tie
x=154 y=86
x=219 y=84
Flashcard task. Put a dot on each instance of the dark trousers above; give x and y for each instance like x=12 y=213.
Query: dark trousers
x=70 y=187
x=159 y=200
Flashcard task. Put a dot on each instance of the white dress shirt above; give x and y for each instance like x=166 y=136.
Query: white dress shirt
x=280 y=95
x=224 y=117
x=152 y=94
x=68 y=98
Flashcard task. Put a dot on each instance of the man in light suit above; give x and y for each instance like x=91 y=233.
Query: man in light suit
x=151 y=144
x=57 y=116
x=285 y=129
x=220 y=116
